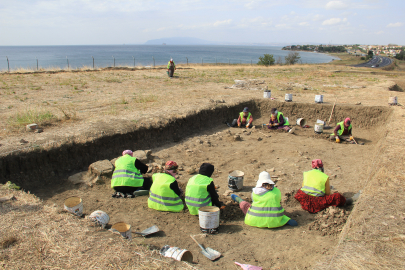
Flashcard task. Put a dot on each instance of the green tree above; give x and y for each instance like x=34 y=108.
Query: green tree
x=292 y=58
x=266 y=60
x=370 y=54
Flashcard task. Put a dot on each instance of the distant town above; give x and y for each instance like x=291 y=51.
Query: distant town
x=359 y=50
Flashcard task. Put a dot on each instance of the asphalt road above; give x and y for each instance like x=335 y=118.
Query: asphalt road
x=376 y=62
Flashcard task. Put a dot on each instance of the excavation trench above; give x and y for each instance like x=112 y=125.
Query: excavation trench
x=202 y=137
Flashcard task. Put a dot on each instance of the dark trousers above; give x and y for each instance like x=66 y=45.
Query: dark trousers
x=235 y=124
x=147 y=183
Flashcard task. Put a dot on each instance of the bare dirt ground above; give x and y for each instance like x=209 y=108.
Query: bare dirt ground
x=111 y=96
x=289 y=155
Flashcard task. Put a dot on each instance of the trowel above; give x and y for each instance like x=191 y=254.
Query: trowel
x=148 y=231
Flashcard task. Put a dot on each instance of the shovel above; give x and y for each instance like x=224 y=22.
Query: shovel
x=148 y=231
x=208 y=252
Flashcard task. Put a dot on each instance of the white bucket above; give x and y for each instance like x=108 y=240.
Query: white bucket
x=301 y=122
x=393 y=100
x=209 y=217
x=122 y=228
x=74 y=205
x=318 y=128
x=176 y=253
x=100 y=218
x=320 y=122
x=319 y=98
x=235 y=180
x=288 y=97
x=267 y=94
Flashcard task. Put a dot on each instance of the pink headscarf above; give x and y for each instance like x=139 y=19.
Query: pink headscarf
x=127 y=152
x=317 y=163
x=347 y=121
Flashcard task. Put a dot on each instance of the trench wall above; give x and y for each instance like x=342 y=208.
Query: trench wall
x=41 y=167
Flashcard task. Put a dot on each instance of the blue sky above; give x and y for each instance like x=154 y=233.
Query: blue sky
x=77 y=22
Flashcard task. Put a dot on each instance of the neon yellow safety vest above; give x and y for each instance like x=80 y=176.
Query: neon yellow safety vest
x=125 y=173
x=266 y=211
x=286 y=123
x=169 y=66
x=196 y=193
x=314 y=183
x=161 y=196
x=342 y=128
x=247 y=119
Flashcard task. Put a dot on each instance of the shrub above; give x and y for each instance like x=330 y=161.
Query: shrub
x=266 y=60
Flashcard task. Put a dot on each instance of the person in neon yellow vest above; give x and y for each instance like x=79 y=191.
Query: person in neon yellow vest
x=127 y=176
x=278 y=121
x=343 y=131
x=315 y=194
x=245 y=119
x=265 y=210
x=171 y=67
x=200 y=190
x=165 y=194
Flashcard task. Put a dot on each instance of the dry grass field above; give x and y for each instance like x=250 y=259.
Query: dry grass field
x=83 y=106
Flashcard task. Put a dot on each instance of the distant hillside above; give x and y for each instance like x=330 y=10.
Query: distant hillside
x=179 y=41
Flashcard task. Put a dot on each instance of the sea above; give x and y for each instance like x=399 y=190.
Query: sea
x=100 y=56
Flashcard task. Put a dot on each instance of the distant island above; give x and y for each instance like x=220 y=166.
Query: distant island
x=179 y=41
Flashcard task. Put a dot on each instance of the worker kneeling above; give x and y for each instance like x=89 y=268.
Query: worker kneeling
x=266 y=210
x=165 y=192
x=315 y=195
x=200 y=190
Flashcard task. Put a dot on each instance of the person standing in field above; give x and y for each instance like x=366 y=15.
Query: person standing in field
x=171 y=67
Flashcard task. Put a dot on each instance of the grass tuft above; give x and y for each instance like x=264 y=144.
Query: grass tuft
x=39 y=117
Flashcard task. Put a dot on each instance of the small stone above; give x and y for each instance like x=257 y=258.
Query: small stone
x=31 y=127
x=259 y=139
x=22 y=141
x=228 y=192
x=190 y=170
x=237 y=138
x=39 y=130
x=271 y=170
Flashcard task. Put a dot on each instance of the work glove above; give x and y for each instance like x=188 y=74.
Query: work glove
x=351 y=138
x=247 y=126
x=238 y=125
x=337 y=139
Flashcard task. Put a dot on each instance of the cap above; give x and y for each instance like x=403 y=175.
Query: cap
x=246 y=109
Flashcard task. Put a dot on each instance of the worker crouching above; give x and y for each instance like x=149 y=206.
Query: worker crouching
x=266 y=210
x=343 y=131
x=165 y=192
x=200 y=190
x=127 y=177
